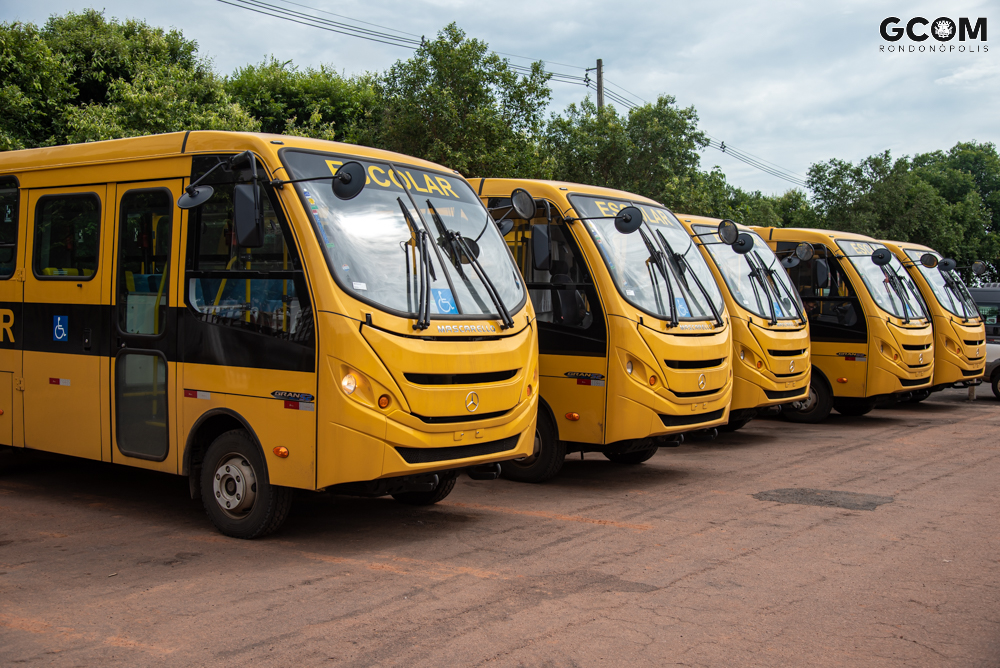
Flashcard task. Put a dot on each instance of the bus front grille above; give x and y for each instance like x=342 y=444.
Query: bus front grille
x=459 y=378
x=906 y=382
x=921 y=346
x=681 y=420
x=451 y=419
x=430 y=455
x=693 y=364
x=786 y=353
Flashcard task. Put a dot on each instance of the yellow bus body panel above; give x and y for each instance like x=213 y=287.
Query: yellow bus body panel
x=959 y=348
x=335 y=439
x=627 y=407
x=866 y=369
x=785 y=376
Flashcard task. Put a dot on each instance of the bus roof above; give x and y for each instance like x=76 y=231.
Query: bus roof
x=707 y=220
x=555 y=189
x=184 y=143
x=809 y=234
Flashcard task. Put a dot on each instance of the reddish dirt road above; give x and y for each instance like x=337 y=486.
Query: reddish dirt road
x=673 y=562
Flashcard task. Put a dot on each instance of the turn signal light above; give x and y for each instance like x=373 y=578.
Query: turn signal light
x=841 y=380
x=760 y=365
x=383 y=401
x=652 y=380
x=529 y=390
x=281 y=451
x=572 y=417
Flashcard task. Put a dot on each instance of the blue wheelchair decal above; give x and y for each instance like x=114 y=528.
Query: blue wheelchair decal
x=443 y=300
x=60 y=328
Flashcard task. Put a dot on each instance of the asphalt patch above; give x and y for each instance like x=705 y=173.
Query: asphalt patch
x=824 y=497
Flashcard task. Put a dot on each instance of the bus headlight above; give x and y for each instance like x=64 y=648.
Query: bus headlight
x=349 y=383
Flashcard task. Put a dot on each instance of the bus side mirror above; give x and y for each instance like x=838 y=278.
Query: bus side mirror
x=978 y=267
x=540 y=256
x=929 y=260
x=804 y=251
x=728 y=232
x=628 y=220
x=248 y=216
x=947 y=264
x=349 y=180
x=523 y=203
x=743 y=244
x=881 y=256
x=505 y=226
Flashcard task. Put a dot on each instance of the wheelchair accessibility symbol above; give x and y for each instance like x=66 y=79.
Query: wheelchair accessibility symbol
x=444 y=301
x=60 y=328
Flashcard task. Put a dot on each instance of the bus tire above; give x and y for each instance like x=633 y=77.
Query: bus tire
x=995 y=383
x=446 y=483
x=546 y=460
x=235 y=490
x=634 y=457
x=817 y=405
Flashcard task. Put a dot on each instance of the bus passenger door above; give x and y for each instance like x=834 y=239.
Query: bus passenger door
x=11 y=304
x=63 y=320
x=143 y=327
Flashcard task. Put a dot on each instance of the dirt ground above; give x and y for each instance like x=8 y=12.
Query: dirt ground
x=871 y=541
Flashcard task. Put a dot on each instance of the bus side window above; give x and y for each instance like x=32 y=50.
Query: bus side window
x=224 y=282
x=8 y=227
x=67 y=236
x=831 y=305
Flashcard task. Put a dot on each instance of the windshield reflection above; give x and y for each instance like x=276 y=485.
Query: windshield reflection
x=890 y=286
x=631 y=260
x=948 y=288
x=372 y=247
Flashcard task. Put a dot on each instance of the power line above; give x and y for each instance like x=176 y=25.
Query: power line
x=274 y=11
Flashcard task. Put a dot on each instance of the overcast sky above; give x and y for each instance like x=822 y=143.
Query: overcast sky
x=790 y=82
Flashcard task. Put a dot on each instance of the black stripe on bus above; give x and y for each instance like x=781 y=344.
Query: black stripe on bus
x=185 y=338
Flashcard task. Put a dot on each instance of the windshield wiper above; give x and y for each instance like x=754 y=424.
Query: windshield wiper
x=788 y=293
x=656 y=255
x=899 y=289
x=757 y=272
x=425 y=272
x=680 y=258
x=460 y=247
x=952 y=285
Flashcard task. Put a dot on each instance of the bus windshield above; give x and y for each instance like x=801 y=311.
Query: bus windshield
x=631 y=260
x=948 y=288
x=890 y=286
x=372 y=241
x=756 y=280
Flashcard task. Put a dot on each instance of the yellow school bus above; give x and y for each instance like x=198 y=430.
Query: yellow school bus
x=870 y=333
x=633 y=332
x=261 y=313
x=959 y=330
x=770 y=330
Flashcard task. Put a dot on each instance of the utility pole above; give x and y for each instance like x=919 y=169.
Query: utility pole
x=600 y=84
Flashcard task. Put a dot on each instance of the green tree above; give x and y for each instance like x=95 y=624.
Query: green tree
x=34 y=87
x=314 y=103
x=459 y=104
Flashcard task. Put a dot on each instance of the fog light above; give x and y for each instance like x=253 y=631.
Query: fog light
x=572 y=417
x=383 y=401
x=349 y=383
x=628 y=368
x=652 y=380
x=281 y=451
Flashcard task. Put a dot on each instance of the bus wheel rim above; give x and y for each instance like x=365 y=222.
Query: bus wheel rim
x=810 y=401
x=234 y=486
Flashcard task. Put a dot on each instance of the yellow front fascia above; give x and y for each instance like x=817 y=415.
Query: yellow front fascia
x=866 y=369
x=632 y=409
x=959 y=348
x=755 y=337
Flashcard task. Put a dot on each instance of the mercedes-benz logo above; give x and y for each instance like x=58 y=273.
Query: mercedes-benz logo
x=471 y=402
x=977 y=352
x=921 y=358
x=701 y=381
x=791 y=366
